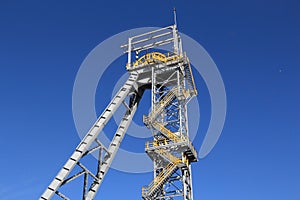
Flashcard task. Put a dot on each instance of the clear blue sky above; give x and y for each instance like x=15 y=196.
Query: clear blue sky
x=255 y=44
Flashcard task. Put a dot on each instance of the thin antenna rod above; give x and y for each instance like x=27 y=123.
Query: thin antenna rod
x=175 y=17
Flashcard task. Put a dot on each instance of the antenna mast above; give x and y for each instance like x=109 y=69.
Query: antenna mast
x=175 y=17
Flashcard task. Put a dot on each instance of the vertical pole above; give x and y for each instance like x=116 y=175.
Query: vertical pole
x=179 y=86
x=177 y=42
x=152 y=109
x=175 y=38
x=129 y=52
x=175 y=16
x=185 y=108
x=180 y=45
x=186 y=122
x=184 y=184
x=191 y=182
x=153 y=89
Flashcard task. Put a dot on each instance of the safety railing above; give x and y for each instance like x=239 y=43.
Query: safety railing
x=153 y=57
x=172 y=136
x=164 y=174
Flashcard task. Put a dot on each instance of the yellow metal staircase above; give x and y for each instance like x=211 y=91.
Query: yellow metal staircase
x=158 y=146
x=174 y=92
x=166 y=132
x=149 y=191
x=162 y=104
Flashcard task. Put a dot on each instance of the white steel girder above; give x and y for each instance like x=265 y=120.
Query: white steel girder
x=83 y=148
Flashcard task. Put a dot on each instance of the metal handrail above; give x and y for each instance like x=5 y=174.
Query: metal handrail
x=150 y=58
x=165 y=173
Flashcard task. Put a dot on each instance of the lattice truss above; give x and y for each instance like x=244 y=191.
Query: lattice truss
x=169 y=77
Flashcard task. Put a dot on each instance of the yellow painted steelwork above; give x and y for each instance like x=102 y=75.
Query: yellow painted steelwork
x=171 y=136
x=166 y=100
x=154 y=57
x=165 y=173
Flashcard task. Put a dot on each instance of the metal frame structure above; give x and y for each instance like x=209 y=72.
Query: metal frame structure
x=169 y=77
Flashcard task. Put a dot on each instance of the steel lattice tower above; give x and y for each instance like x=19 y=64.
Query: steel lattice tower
x=169 y=77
